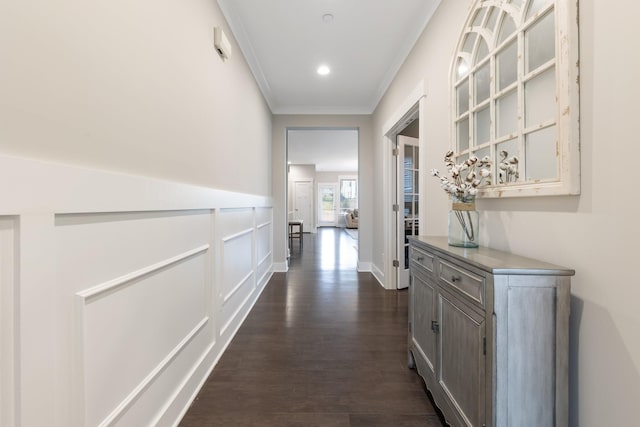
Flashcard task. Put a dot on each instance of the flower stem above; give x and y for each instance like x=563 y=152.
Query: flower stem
x=467 y=224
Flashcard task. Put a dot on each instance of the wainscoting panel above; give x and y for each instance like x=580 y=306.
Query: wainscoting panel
x=264 y=254
x=237 y=272
x=130 y=290
x=158 y=314
x=126 y=242
x=8 y=253
x=147 y=268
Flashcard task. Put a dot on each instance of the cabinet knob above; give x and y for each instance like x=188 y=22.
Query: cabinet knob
x=420 y=258
x=455 y=278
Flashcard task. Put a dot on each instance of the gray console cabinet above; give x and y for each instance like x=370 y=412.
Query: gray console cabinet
x=488 y=333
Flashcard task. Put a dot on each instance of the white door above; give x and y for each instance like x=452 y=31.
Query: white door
x=407 y=199
x=327 y=205
x=302 y=203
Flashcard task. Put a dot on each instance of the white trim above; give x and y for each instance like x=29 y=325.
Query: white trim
x=263 y=225
x=71 y=189
x=235 y=314
x=89 y=294
x=262 y=281
x=401 y=57
x=183 y=385
x=237 y=287
x=144 y=384
x=36 y=195
x=412 y=105
x=266 y=257
x=237 y=235
x=8 y=252
x=401 y=112
x=239 y=33
x=378 y=274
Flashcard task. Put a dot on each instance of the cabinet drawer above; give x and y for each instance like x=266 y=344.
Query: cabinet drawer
x=464 y=280
x=422 y=258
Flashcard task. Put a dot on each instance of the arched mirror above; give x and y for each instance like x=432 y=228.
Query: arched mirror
x=515 y=95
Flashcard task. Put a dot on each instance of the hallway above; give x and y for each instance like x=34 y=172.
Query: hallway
x=323 y=346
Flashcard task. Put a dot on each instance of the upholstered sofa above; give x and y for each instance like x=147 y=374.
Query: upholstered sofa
x=351 y=218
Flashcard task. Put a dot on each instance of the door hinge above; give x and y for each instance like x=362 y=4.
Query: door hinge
x=435 y=326
x=484 y=346
x=396 y=208
x=396 y=263
x=395 y=152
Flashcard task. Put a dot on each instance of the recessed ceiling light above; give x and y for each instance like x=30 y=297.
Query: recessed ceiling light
x=323 y=70
x=327 y=17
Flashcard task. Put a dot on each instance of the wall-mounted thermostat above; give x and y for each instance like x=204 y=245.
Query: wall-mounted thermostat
x=221 y=43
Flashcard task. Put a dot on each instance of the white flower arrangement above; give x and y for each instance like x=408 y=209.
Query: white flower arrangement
x=464 y=178
x=508 y=167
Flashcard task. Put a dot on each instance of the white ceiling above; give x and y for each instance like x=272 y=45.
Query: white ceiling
x=284 y=42
x=329 y=150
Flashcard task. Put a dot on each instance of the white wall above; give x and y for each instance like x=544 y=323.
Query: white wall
x=135 y=87
x=365 y=178
x=595 y=233
x=135 y=222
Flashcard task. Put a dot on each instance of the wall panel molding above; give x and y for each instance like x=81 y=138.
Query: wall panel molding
x=237 y=287
x=235 y=236
x=265 y=259
x=8 y=259
x=263 y=225
x=236 y=313
x=104 y=258
x=97 y=291
x=135 y=393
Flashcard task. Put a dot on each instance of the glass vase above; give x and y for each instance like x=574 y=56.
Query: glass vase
x=464 y=227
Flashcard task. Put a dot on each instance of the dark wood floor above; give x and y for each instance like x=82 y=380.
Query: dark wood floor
x=323 y=346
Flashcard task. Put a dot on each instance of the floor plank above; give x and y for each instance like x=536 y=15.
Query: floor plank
x=323 y=346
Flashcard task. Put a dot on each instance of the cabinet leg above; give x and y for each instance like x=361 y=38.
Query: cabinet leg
x=411 y=363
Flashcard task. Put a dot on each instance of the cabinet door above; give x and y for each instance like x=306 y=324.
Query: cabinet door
x=461 y=369
x=422 y=334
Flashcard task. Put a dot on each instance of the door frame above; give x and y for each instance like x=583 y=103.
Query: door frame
x=409 y=110
x=403 y=275
x=287 y=164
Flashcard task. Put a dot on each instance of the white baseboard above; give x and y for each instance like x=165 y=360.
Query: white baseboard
x=379 y=275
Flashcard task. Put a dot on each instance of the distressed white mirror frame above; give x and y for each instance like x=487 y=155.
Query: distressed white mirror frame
x=515 y=88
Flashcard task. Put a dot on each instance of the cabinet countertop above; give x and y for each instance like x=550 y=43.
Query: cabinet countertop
x=492 y=260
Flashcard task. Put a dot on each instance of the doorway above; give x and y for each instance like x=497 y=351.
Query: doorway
x=403 y=156
x=322 y=157
x=407 y=197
